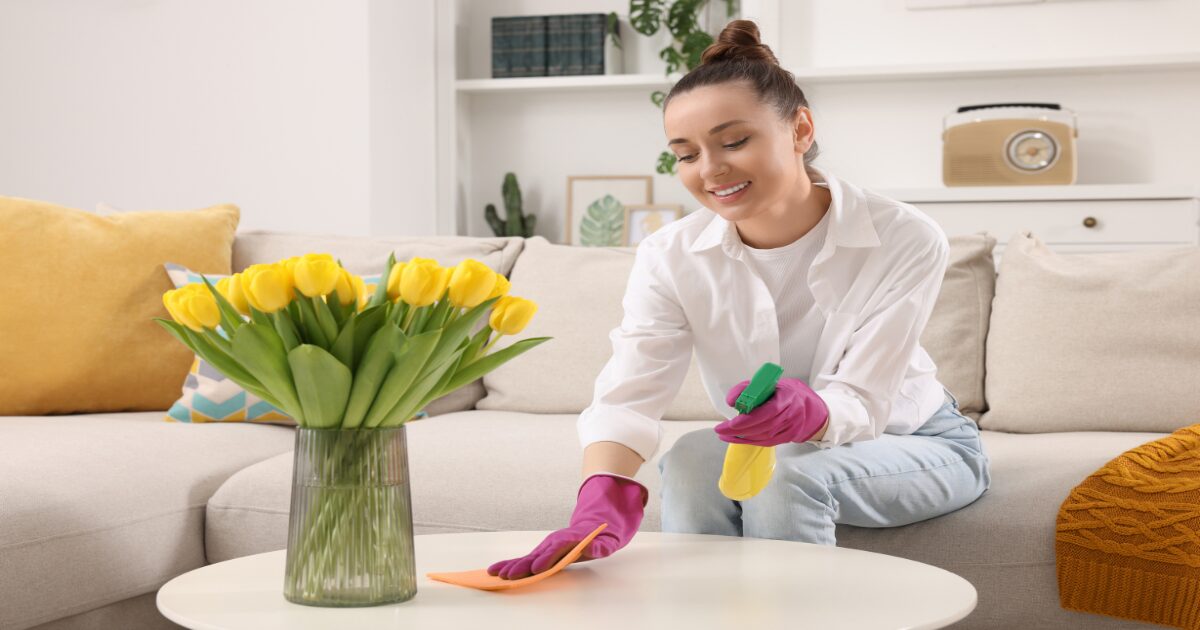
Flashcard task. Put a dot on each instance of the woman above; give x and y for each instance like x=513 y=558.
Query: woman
x=784 y=263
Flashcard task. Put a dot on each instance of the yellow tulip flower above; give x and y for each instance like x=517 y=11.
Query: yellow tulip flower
x=316 y=275
x=471 y=283
x=511 y=314
x=231 y=288
x=502 y=287
x=193 y=306
x=393 y=281
x=423 y=282
x=266 y=287
x=349 y=287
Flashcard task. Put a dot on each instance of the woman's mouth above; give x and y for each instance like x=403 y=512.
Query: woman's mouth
x=731 y=193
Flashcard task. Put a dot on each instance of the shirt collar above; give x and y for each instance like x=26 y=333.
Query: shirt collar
x=850 y=222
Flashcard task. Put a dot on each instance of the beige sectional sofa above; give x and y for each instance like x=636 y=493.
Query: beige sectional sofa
x=98 y=511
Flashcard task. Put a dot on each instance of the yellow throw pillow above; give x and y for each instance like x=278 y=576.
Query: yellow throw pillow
x=80 y=294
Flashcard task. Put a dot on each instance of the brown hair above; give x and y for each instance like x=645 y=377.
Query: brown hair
x=738 y=55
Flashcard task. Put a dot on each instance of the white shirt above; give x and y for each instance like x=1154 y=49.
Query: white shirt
x=874 y=280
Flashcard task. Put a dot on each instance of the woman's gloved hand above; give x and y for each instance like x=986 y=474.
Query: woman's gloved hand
x=794 y=413
x=603 y=498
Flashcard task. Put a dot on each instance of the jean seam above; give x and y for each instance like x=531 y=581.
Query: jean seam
x=903 y=472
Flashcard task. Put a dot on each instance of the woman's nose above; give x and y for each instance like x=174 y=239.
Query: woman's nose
x=712 y=168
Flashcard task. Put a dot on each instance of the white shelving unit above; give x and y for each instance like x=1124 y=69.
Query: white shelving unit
x=818 y=76
x=473 y=110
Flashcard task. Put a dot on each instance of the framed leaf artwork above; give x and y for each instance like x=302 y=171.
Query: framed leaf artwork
x=596 y=207
x=642 y=221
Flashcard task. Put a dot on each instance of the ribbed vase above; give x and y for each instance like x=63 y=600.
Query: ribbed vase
x=350 y=532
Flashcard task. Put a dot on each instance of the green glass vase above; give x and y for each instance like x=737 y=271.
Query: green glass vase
x=350 y=532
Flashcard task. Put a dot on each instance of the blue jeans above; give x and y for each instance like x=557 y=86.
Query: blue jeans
x=891 y=481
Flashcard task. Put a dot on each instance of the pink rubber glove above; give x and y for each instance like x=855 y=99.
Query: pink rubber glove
x=603 y=498
x=794 y=413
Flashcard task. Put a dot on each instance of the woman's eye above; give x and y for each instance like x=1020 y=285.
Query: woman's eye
x=686 y=158
x=738 y=143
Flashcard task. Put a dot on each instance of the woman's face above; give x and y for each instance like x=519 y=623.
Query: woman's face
x=736 y=156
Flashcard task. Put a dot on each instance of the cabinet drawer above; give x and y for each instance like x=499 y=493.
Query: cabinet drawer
x=1082 y=222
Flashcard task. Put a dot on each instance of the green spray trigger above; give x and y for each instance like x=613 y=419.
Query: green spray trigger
x=760 y=389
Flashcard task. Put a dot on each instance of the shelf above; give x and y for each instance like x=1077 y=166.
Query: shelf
x=1080 y=192
x=851 y=74
x=564 y=84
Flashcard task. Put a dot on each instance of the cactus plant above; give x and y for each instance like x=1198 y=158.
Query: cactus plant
x=518 y=224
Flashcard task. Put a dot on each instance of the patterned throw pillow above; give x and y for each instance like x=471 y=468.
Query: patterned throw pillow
x=208 y=396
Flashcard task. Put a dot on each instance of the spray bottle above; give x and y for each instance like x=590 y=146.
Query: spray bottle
x=748 y=468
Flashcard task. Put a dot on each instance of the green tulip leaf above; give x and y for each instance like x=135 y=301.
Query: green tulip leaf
x=286 y=329
x=410 y=402
x=406 y=373
x=372 y=369
x=381 y=295
x=476 y=369
x=313 y=332
x=323 y=385
x=366 y=324
x=343 y=346
x=329 y=326
x=458 y=330
x=260 y=351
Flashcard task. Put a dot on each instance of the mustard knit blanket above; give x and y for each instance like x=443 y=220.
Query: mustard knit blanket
x=1127 y=541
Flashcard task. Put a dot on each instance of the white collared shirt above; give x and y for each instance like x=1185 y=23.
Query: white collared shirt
x=875 y=279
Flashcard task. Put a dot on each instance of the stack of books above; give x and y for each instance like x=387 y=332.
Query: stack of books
x=548 y=45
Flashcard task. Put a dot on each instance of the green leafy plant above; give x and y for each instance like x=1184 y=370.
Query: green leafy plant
x=688 y=41
x=518 y=224
x=603 y=224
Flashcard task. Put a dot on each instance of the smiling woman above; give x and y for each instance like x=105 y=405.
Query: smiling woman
x=783 y=264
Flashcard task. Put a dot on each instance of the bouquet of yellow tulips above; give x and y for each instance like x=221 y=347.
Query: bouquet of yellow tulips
x=303 y=335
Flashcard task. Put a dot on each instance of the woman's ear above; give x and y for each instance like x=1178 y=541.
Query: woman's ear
x=803 y=130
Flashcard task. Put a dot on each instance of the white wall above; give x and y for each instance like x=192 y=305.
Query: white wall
x=269 y=104
x=1135 y=127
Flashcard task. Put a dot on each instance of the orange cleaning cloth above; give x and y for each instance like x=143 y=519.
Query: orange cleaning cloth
x=480 y=579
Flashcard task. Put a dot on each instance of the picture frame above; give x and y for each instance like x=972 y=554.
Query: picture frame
x=595 y=215
x=642 y=220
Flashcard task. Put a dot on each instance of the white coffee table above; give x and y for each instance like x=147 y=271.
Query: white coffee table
x=659 y=581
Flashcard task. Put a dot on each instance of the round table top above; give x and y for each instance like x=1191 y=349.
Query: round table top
x=658 y=581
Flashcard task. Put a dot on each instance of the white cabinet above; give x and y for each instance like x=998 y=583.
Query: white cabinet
x=1070 y=219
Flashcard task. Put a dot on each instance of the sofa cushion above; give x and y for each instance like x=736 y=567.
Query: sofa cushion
x=956 y=334
x=366 y=256
x=80 y=295
x=1094 y=342
x=96 y=509
x=579 y=292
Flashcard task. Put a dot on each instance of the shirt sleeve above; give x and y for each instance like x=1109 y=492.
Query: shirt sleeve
x=652 y=350
x=868 y=377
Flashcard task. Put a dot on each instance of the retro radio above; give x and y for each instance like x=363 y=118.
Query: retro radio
x=1005 y=144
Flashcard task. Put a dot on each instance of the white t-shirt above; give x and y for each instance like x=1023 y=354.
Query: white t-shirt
x=785 y=272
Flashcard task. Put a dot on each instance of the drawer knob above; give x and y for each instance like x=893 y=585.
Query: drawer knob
x=1089 y=222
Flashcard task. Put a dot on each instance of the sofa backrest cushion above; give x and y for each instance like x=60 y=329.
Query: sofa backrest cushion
x=81 y=292
x=1094 y=342
x=957 y=330
x=579 y=292
x=364 y=255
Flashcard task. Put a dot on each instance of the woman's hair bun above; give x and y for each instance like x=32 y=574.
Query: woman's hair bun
x=739 y=40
